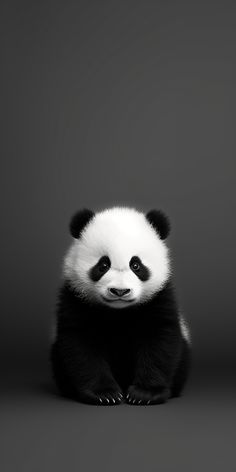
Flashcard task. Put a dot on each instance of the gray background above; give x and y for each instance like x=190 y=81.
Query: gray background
x=111 y=102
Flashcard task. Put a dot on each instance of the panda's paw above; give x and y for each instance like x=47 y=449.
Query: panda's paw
x=137 y=395
x=105 y=397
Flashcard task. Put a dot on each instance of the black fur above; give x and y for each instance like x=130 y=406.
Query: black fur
x=160 y=222
x=142 y=271
x=79 y=221
x=103 y=355
x=102 y=266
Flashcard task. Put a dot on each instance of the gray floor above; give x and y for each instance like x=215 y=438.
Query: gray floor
x=41 y=431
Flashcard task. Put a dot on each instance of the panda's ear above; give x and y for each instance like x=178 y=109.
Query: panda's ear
x=160 y=222
x=79 y=221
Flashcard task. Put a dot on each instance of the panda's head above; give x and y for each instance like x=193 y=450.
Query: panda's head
x=118 y=257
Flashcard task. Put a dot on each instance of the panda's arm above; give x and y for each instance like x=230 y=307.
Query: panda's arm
x=156 y=357
x=80 y=369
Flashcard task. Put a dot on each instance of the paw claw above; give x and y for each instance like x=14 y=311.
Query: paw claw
x=138 y=395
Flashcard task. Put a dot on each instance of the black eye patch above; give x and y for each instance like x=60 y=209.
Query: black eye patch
x=102 y=266
x=139 y=269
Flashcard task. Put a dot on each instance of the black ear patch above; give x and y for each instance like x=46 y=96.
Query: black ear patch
x=79 y=221
x=160 y=222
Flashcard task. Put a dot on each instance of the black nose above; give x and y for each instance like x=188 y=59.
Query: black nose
x=119 y=292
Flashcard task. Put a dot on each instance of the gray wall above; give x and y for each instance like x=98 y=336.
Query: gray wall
x=108 y=102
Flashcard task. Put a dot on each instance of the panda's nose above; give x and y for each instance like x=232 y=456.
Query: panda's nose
x=119 y=292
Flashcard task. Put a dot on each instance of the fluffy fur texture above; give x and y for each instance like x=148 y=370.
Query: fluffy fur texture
x=120 y=233
x=120 y=334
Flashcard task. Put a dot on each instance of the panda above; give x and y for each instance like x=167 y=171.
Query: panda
x=120 y=335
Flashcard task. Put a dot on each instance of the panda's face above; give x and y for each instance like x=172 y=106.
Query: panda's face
x=119 y=260
x=121 y=284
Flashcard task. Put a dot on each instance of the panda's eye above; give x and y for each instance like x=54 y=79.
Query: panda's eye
x=104 y=264
x=100 y=268
x=135 y=266
x=139 y=269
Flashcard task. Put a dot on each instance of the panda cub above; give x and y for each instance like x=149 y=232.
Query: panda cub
x=120 y=335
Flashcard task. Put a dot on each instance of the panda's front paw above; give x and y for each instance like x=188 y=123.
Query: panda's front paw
x=137 y=395
x=105 y=397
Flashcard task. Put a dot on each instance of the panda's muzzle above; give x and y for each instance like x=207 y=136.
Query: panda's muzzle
x=118 y=292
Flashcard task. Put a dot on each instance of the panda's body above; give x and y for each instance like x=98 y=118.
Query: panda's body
x=120 y=333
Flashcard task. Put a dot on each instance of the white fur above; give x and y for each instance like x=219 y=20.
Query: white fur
x=120 y=233
x=184 y=328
